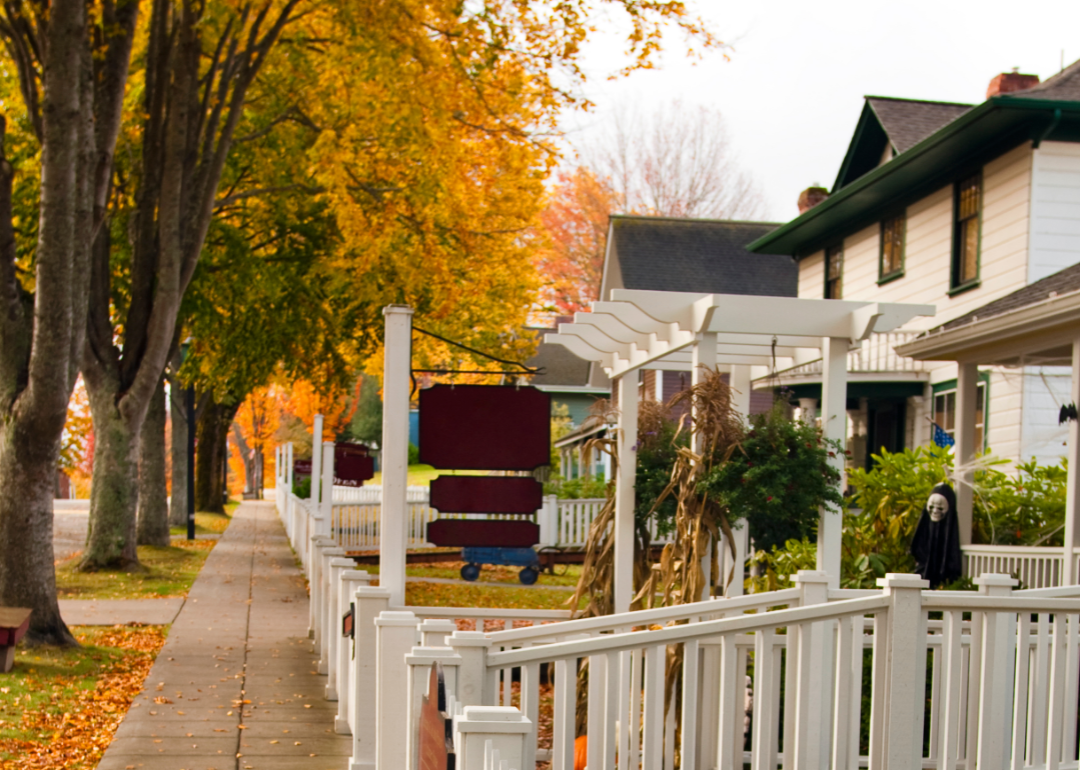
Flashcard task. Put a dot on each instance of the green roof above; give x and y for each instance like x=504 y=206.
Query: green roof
x=967 y=143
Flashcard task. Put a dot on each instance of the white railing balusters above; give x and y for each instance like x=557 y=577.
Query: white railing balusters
x=562 y=748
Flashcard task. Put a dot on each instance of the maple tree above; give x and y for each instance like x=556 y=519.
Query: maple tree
x=574 y=224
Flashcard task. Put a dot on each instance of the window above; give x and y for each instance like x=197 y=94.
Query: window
x=834 y=272
x=892 y=247
x=968 y=211
x=945 y=410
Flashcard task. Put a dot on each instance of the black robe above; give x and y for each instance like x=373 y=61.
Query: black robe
x=936 y=544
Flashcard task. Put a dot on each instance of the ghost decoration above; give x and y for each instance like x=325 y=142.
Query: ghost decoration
x=936 y=545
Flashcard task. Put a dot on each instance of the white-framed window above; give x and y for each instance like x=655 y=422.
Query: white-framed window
x=945 y=411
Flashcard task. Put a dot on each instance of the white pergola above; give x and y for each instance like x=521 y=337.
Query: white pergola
x=696 y=332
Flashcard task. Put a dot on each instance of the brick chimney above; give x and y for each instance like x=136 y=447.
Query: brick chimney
x=811 y=197
x=1009 y=82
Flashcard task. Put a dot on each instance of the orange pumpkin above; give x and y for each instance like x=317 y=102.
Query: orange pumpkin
x=581 y=752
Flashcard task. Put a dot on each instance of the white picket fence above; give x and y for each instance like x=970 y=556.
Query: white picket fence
x=788 y=678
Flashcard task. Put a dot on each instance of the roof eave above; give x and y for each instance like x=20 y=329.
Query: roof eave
x=785 y=239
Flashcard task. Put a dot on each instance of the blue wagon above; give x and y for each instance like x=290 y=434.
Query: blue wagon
x=476 y=558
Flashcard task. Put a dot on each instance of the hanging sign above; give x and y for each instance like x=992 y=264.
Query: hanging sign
x=485 y=427
x=352 y=465
x=486 y=494
x=469 y=533
x=301 y=467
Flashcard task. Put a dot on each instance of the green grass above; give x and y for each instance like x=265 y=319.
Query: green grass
x=210 y=523
x=170 y=571
x=421 y=475
x=61 y=704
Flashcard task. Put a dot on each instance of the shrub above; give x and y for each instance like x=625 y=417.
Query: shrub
x=414 y=454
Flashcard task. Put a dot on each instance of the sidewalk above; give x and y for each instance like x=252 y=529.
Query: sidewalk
x=235 y=687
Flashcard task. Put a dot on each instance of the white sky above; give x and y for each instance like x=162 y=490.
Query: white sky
x=793 y=88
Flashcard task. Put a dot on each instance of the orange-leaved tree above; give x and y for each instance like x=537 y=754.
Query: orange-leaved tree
x=574 y=224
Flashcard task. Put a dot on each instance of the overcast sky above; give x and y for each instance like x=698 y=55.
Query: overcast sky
x=793 y=88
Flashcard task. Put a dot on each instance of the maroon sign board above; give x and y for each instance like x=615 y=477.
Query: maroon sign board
x=436 y=741
x=485 y=427
x=479 y=533
x=486 y=494
x=352 y=465
x=301 y=467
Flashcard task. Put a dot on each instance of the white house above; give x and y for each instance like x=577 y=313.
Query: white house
x=954 y=205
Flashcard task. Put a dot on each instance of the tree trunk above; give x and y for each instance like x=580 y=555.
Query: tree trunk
x=211 y=439
x=250 y=471
x=111 y=539
x=178 y=416
x=152 y=525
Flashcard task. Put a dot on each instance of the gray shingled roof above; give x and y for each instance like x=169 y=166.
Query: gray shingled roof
x=908 y=121
x=561 y=367
x=699 y=255
x=1062 y=87
x=1063 y=282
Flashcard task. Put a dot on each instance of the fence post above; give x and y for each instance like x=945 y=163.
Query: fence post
x=996 y=677
x=420 y=661
x=548 y=519
x=474 y=686
x=503 y=726
x=326 y=503
x=396 y=632
x=434 y=632
x=337 y=565
x=906 y=671
x=350 y=581
x=314 y=570
x=326 y=598
x=812 y=675
x=370 y=603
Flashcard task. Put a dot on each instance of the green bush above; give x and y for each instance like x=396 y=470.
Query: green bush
x=414 y=454
x=576 y=489
x=302 y=488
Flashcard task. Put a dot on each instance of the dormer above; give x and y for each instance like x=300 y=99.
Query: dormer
x=889 y=127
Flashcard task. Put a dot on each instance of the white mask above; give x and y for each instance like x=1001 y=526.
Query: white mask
x=937 y=506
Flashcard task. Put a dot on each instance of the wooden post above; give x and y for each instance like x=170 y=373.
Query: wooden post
x=337 y=566
x=395 y=451
x=703 y=362
x=504 y=727
x=906 y=671
x=812 y=661
x=623 y=573
x=350 y=581
x=1072 y=486
x=326 y=505
x=324 y=631
x=316 y=460
x=996 y=677
x=419 y=662
x=740 y=400
x=396 y=634
x=473 y=683
x=834 y=352
x=314 y=576
x=967 y=391
x=370 y=603
x=435 y=632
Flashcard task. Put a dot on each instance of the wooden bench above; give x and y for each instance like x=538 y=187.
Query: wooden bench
x=14 y=622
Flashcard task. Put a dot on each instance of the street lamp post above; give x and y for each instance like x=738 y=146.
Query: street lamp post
x=189 y=417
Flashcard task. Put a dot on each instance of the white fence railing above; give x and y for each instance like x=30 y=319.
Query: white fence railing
x=1034 y=566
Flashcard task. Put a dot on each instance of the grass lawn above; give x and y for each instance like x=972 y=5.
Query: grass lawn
x=421 y=475
x=476 y=595
x=60 y=707
x=170 y=571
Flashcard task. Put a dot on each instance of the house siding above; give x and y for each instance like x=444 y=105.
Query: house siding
x=1045 y=388
x=1003 y=267
x=1055 y=209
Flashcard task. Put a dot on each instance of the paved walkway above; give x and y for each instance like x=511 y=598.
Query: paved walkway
x=235 y=687
x=119 y=612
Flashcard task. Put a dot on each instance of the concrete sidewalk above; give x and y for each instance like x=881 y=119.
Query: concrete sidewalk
x=119 y=612
x=235 y=687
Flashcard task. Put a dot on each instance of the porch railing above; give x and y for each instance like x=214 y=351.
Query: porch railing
x=1033 y=566
x=874 y=354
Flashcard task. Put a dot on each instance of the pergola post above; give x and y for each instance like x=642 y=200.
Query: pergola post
x=397 y=363
x=623 y=574
x=1072 y=488
x=834 y=352
x=316 y=459
x=967 y=384
x=808 y=410
x=740 y=401
x=703 y=361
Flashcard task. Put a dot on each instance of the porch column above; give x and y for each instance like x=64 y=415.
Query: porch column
x=740 y=401
x=703 y=361
x=967 y=382
x=658 y=388
x=397 y=358
x=623 y=575
x=834 y=351
x=1072 y=488
x=740 y=389
x=808 y=410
